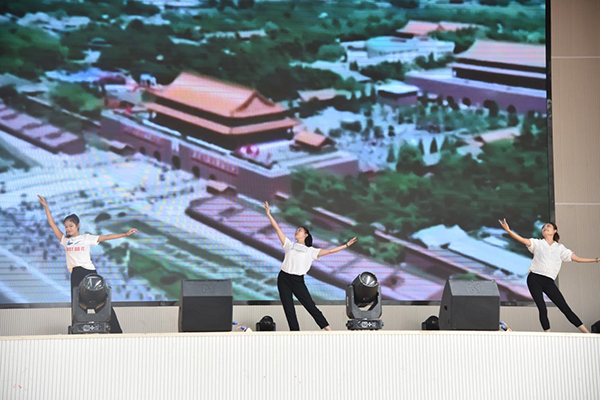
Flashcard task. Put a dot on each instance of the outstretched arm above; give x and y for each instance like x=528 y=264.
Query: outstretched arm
x=116 y=235
x=55 y=228
x=518 y=238
x=324 y=252
x=578 y=259
x=280 y=234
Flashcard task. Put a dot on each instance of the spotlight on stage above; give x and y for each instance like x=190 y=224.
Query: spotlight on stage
x=363 y=303
x=90 y=306
x=431 y=324
x=265 y=324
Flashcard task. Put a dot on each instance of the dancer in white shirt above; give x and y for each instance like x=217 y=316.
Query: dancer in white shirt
x=548 y=256
x=298 y=260
x=77 y=249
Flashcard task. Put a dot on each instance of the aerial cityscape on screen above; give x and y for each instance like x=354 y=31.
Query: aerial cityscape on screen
x=412 y=124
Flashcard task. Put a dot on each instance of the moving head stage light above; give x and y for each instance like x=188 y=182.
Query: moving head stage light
x=90 y=306
x=362 y=293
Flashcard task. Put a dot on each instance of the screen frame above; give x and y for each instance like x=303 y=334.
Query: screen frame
x=552 y=212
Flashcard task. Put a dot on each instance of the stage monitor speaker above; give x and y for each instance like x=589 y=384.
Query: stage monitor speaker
x=470 y=305
x=205 y=306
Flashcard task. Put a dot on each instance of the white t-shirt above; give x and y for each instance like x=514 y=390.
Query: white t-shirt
x=298 y=258
x=547 y=259
x=78 y=250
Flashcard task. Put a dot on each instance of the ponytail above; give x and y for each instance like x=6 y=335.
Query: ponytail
x=556 y=236
x=308 y=241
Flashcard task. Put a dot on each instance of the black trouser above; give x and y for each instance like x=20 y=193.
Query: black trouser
x=77 y=276
x=289 y=285
x=538 y=285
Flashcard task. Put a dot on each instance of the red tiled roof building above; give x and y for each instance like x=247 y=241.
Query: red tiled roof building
x=511 y=64
x=221 y=113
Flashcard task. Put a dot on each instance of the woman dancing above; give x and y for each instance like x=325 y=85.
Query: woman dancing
x=77 y=247
x=548 y=256
x=296 y=263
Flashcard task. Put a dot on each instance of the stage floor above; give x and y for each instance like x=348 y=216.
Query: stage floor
x=302 y=365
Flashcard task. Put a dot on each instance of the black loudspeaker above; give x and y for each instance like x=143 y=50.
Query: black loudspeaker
x=205 y=306
x=470 y=305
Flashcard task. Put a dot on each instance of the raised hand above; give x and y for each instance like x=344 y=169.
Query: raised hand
x=324 y=252
x=351 y=241
x=42 y=201
x=280 y=234
x=131 y=232
x=55 y=229
x=504 y=225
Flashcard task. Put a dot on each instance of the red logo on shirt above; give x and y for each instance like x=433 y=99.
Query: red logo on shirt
x=78 y=248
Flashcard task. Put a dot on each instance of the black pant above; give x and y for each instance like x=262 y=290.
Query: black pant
x=77 y=276
x=289 y=285
x=538 y=285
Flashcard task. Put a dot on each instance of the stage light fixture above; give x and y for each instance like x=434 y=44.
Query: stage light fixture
x=363 y=303
x=266 y=324
x=91 y=306
x=431 y=324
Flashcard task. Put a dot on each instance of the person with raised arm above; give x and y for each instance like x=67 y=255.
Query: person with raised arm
x=296 y=263
x=77 y=247
x=548 y=255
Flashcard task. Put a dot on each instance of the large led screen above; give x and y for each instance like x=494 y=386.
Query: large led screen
x=414 y=125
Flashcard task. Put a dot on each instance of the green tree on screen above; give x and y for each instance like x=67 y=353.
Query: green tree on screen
x=27 y=52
